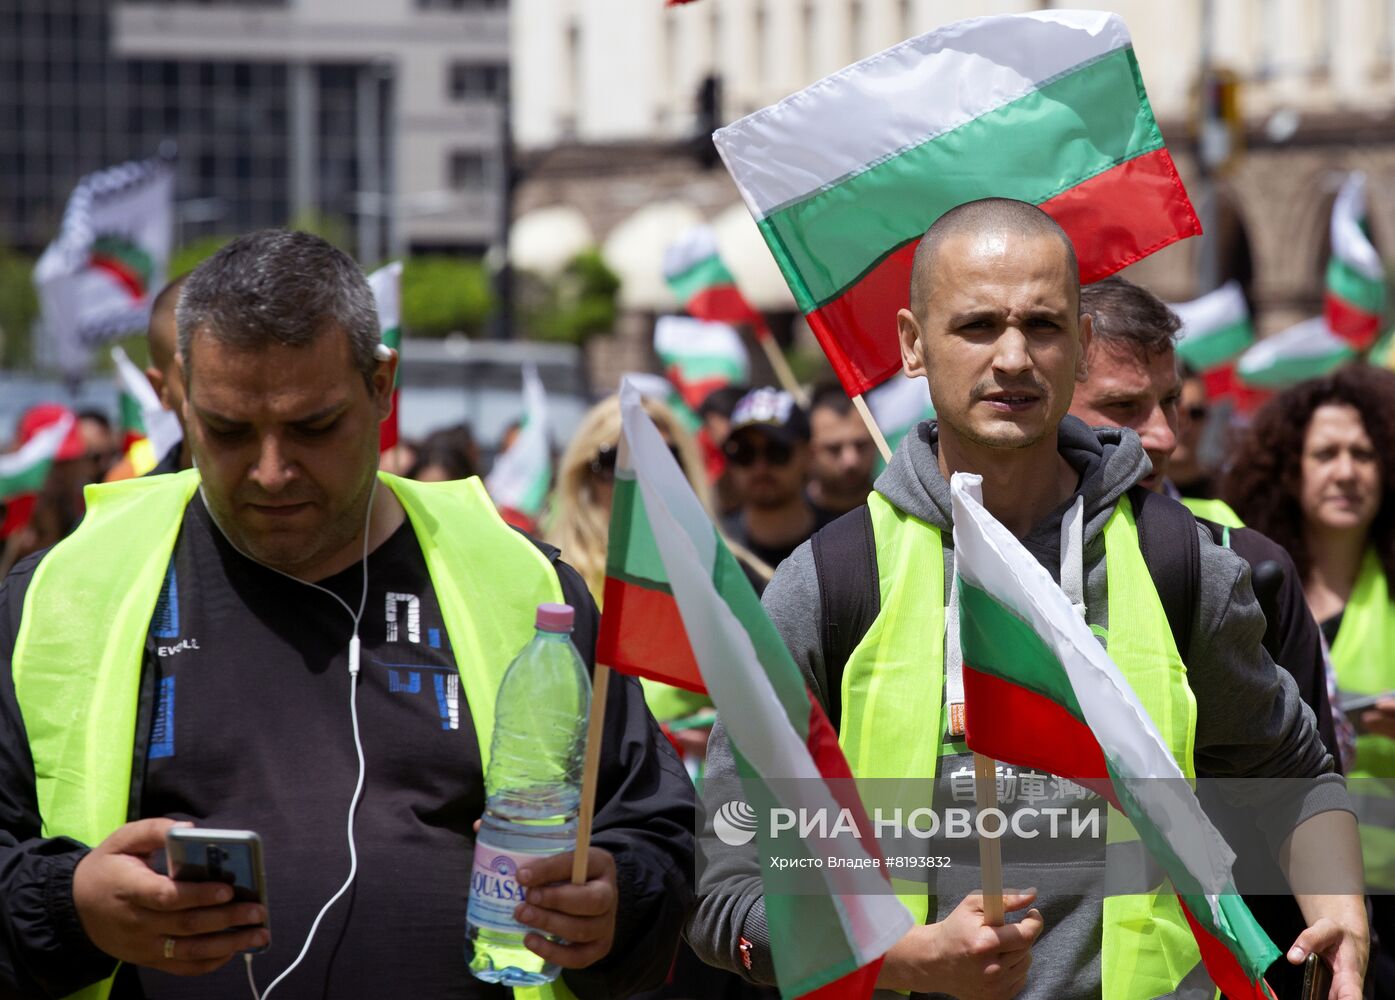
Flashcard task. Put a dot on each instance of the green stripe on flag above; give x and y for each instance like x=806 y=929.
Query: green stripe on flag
x=996 y=641
x=131 y=418
x=1046 y=142
x=699 y=367
x=28 y=479
x=706 y=273
x=1203 y=351
x=1353 y=287
x=632 y=555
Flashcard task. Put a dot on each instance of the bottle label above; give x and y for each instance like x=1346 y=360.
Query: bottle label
x=494 y=889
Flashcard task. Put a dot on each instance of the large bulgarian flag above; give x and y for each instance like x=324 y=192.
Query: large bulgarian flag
x=700 y=357
x=1303 y=351
x=522 y=476
x=1216 y=328
x=386 y=283
x=845 y=176
x=702 y=284
x=679 y=609
x=1061 y=705
x=1355 y=295
x=23 y=472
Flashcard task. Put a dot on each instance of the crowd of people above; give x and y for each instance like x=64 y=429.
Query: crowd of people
x=1253 y=618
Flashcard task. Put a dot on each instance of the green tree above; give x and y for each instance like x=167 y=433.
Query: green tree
x=191 y=255
x=442 y=294
x=19 y=307
x=579 y=303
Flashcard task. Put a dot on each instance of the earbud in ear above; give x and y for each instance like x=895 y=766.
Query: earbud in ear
x=382 y=352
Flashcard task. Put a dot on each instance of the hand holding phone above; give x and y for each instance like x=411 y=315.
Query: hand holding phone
x=1317 y=978
x=233 y=857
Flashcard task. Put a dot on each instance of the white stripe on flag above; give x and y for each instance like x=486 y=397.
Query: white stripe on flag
x=905 y=96
x=386 y=283
x=987 y=555
x=162 y=428
x=1349 y=244
x=750 y=709
x=39 y=448
x=900 y=402
x=1213 y=311
x=1310 y=340
x=686 y=337
x=694 y=244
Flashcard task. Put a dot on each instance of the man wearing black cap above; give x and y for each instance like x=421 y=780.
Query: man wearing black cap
x=767 y=450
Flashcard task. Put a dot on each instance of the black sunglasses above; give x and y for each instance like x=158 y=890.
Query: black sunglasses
x=1198 y=412
x=745 y=453
x=603 y=465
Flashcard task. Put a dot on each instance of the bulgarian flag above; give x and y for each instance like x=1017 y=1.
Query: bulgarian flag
x=679 y=609
x=386 y=283
x=845 y=176
x=1355 y=277
x=1061 y=705
x=23 y=472
x=897 y=405
x=143 y=416
x=1303 y=351
x=521 y=477
x=700 y=357
x=702 y=284
x=1216 y=328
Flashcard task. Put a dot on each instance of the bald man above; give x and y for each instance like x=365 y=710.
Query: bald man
x=164 y=377
x=995 y=325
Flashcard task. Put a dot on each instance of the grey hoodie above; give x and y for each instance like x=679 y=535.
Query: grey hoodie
x=1250 y=722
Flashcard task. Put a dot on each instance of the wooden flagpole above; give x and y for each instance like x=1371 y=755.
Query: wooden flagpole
x=990 y=849
x=595 y=728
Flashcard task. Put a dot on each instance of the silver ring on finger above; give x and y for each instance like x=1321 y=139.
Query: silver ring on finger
x=169 y=947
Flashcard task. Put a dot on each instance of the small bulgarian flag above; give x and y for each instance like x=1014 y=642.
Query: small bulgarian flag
x=679 y=609
x=386 y=283
x=898 y=404
x=1060 y=704
x=521 y=477
x=1215 y=327
x=143 y=416
x=23 y=472
x=1355 y=277
x=700 y=357
x=703 y=285
x=845 y=176
x=1303 y=351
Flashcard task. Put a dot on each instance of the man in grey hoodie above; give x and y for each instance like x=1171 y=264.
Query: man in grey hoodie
x=996 y=327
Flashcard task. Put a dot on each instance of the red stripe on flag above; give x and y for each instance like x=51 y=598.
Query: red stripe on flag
x=695 y=391
x=124 y=275
x=856 y=985
x=1222 y=382
x=642 y=634
x=726 y=304
x=387 y=430
x=1007 y=722
x=1113 y=219
x=1356 y=326
x=1222 y=966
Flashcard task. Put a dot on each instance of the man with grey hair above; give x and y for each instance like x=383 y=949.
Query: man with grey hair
x=187 y=655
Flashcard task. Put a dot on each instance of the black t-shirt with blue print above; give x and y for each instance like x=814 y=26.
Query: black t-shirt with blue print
x=251 y=730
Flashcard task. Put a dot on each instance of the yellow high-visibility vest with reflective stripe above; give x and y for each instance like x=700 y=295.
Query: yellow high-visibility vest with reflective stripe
x=77 y=658
x=893 y=691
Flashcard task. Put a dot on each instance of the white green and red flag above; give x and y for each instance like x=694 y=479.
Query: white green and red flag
x=700 y=357
x=1053 y=700
x=1355 y=296
x=662 y=390
x=1303 y=351
x=845 y=176
x=679 y=609
x=142 y=413
x=898 y=405
x=703 y=285
x=386 y=283
x=1216 y=327
x=521 y=477
x=23 y=471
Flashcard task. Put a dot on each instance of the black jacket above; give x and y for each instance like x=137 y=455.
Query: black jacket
x=644 y=817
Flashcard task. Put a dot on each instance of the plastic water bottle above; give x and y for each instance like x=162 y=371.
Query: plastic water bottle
x=534 y=789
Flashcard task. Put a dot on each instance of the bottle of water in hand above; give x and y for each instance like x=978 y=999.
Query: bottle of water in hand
x=533 y=784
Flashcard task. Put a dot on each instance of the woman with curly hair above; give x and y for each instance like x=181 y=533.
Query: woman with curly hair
x=1316 y=473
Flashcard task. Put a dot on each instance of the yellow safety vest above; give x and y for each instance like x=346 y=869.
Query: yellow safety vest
x=1217 y=511
x=1363 y=656
x=893 y=685
x=77 y=658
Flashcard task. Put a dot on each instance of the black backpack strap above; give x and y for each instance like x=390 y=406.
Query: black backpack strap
x=1171 y=548
x=845 y=559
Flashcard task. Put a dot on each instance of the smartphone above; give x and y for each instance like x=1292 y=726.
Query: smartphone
x=196 y=854
x=1317 y=978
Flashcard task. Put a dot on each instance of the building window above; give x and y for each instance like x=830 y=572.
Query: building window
x=461 y=5
x=469 y=171
x=473 y=81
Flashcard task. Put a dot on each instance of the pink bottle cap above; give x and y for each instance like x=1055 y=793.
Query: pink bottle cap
x=555 y=617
